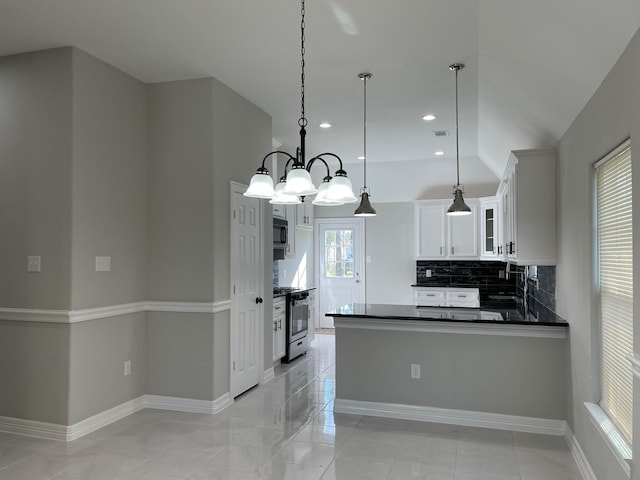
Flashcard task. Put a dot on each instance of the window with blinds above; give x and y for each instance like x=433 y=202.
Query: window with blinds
x=615 y=285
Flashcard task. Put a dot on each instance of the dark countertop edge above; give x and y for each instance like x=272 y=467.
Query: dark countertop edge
x=449 y=320
x=295 y=291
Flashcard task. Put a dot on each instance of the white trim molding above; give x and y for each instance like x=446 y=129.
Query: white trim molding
x=468 y=328
x=52 y=431
x=83 y=315
x=635 y=364
x=579 y=456
x=452 y=417
x=189 y=405
x=611 y=435
x=268 y=375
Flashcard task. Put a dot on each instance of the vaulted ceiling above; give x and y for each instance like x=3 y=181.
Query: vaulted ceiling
x=530 y=65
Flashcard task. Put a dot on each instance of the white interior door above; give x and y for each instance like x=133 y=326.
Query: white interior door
x=340 y=269
x=246 y=291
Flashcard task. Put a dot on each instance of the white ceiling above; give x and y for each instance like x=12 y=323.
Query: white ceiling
x=531 y=65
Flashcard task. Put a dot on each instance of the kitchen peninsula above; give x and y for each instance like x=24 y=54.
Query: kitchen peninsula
x=482 y=367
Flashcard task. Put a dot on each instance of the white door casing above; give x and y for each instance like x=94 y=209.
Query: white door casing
x=340 y=265
x=246 y=329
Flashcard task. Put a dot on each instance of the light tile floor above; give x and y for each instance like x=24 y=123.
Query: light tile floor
x=287 y=430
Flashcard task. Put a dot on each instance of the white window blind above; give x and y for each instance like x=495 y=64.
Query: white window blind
x=615 y=269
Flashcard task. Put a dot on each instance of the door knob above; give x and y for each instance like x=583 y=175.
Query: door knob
x=258 y=300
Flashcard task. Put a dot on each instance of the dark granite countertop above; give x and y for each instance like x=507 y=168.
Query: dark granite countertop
x=485 y=314
x=292 y=290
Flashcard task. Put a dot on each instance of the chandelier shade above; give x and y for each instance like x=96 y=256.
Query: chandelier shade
x=261 y=185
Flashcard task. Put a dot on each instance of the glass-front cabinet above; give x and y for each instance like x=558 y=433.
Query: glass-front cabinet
x=489 y=228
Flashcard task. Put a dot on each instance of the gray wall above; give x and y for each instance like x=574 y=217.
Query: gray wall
x=97 y=352
x=35 y=183
x=180 y=237
x=390 y=241
x=34 y=371
x=109 y=184
x=465 y=372
x=610 y=117
x=94 y=162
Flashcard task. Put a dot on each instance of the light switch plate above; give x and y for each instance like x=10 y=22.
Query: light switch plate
x=33 y=264
x=103 y=264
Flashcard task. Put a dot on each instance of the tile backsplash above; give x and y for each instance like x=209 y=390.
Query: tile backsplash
x=488 y=277
x=541 y=292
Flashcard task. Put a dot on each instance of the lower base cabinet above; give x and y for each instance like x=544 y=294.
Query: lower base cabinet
x=279 y=321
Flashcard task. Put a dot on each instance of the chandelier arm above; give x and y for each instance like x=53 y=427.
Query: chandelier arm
x=332 y=155
x=312 y=161
x=275 y=152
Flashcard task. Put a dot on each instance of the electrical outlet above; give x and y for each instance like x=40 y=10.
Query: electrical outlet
x=103 y=264
x=415 y=370
x=127 y=368
x=428 y=273
x=33 y=264
x=501 y=273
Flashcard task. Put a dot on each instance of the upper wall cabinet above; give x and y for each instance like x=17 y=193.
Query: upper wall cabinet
x=440 y=236
x=490 y=229
x=528 y=195
x=304 y=214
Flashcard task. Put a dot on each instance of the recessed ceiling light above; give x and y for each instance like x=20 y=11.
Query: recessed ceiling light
x=429 y=117
x=361 y=157
x=439 y=152
x=325 y=125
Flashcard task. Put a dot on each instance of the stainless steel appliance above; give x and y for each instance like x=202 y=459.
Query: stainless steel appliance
x=280 y=238
x=296 y=333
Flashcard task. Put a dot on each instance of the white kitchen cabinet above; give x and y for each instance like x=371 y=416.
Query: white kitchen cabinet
x=440 y=236
x=489 y=227
x=447 y=297
x=290 y=217
x=279 y=211
x=304 y=215
x=529 y=189
x=279 y=322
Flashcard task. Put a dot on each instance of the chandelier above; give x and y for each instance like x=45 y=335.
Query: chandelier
x=296 y=181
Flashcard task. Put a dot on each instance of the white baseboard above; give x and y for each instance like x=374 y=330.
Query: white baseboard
x=189 y=405
x=268 y=375
x=579 y=456
x=31 y=428
x=52 y=431
x=453 y=417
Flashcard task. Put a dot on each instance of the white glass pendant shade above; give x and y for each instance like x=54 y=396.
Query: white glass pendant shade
x=365 y=209
x=281 y=198
x=340 y=189
x=321 y=197
x=458 y=207
x=261 y=186
x=299 y=183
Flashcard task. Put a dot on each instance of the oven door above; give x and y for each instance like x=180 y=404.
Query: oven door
x=299 y=319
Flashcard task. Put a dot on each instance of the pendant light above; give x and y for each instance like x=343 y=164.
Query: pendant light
x=297 y=182
x=458 y=207
x=365 y=209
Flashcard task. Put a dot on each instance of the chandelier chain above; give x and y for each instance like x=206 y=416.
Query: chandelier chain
x=303 y=121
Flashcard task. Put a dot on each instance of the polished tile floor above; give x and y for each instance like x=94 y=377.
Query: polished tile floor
x=286 y=429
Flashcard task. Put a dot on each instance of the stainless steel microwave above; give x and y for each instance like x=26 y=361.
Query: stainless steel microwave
x=280 y=237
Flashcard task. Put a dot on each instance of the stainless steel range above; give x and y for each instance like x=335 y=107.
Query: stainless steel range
x=296 y=333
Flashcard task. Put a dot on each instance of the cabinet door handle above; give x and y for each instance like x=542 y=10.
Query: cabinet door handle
x=280 y=324
x=275 y=326
x=440 y=250
x=452 y=250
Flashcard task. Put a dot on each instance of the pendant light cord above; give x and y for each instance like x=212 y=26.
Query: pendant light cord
x=457 y=68
x=364 y=134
